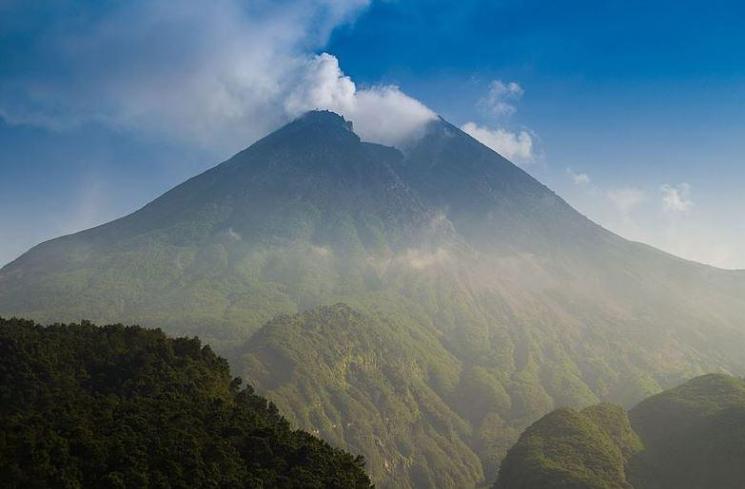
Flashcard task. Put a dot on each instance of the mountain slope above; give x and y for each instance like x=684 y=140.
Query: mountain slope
x=214 y=254
x=119 y=407
x=684 y=438
x=370 y=383
x=521 y=302
x=585 y=449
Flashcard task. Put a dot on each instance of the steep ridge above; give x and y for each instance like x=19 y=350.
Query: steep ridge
x=521 y=303
x=490 y=200
x=372 y=383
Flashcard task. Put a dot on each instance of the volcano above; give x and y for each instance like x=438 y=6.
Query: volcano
x=420 y=306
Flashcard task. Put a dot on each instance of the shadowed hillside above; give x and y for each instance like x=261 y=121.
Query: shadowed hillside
x=688 y=437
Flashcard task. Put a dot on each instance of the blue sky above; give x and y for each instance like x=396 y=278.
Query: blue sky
x=633 y=111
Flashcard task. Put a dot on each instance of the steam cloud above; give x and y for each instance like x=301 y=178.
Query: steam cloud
x=219 y=74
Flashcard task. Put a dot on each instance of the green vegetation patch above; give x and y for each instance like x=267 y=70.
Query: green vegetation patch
x=126 y=407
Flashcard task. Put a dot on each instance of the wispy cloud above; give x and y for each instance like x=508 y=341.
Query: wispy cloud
x=517 y=146
x=501 y=98
x=579 y=178
x=676 y=198
x=626 y=199
x=219 y=74
x=499 y=102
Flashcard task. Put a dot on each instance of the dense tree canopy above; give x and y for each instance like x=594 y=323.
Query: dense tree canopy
x=570 y=449
x=127 y=407
x=689 y=437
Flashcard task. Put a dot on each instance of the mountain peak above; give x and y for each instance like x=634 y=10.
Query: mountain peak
x=325 y=117
x=314 y=127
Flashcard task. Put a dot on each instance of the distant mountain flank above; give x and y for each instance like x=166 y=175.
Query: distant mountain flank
x=421 y=306
x=688 y=437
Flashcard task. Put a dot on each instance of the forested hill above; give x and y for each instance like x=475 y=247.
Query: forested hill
x=125 y=407
x=689 y=437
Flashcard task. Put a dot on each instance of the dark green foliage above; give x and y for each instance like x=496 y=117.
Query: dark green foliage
x=572 y=450
x=126 y=407
x=689 y=437
x=694 y=436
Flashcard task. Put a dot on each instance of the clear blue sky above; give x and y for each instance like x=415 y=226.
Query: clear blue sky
x=633 y=111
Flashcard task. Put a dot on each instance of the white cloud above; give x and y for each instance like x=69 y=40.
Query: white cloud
x=501 y=98
x=676 y=198
x=707 y=236
x=579 y=178
x=218 y=74
x=516 y=146
x=381 y=113
x=500 y=101
x=626 y=199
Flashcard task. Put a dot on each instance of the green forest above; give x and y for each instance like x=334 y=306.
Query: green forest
x=115 y=407
x=688 y=437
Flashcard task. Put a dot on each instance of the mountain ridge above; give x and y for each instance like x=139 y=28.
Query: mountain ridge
x=519 y=304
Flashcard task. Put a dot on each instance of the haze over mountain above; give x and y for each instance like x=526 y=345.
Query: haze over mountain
x=434 y=300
